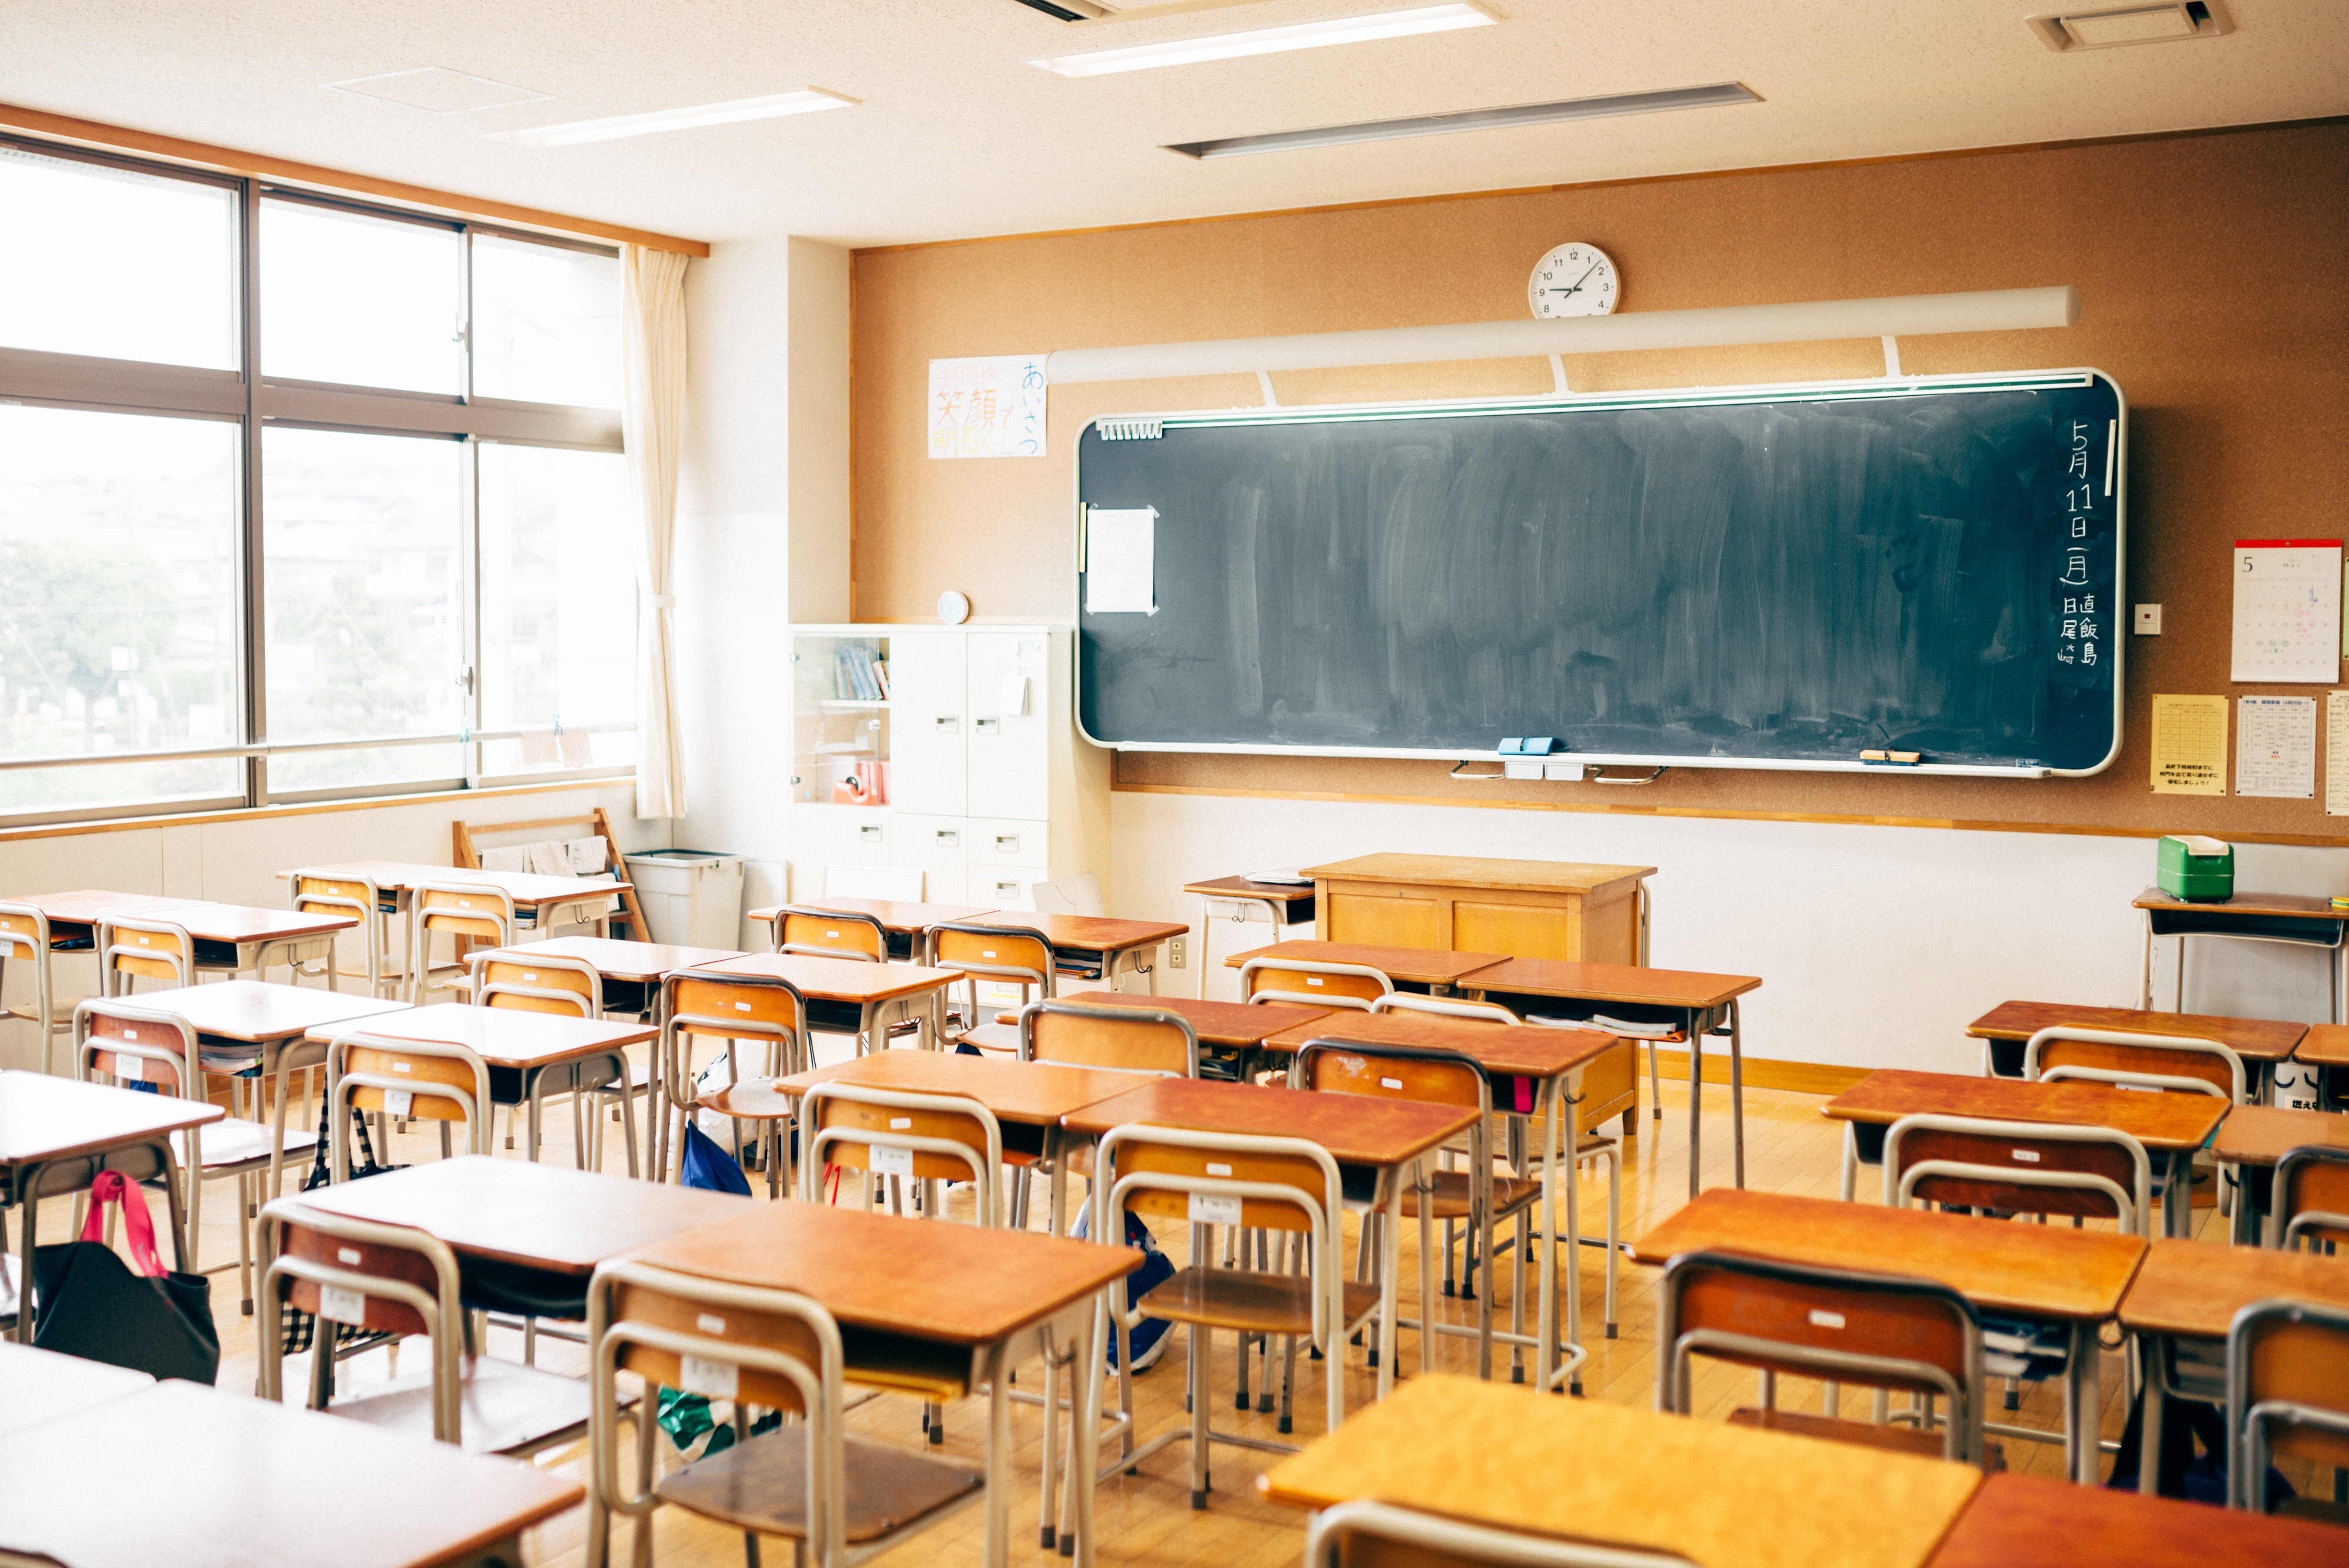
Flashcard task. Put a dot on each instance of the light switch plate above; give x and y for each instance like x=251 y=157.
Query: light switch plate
x=2146 y=621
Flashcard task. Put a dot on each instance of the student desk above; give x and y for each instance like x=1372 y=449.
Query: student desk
x=1380 y=1137
x=231 y=938
x=2260 y=1041
x=1720 y=1496
x=631 y=962
x=2253 y=1138
x=2170 y=1125
x=1704 y=1004
x=1437 y=969
x=906 y=924
x=850 y=983
x=533 y=895
x=925 y=1300
x=2022 y=1521
x=1532 y=908
x=1230 y=1026
x=37 y=1386
x=1095 y=947
x=2291 y=917
x=1284 y=904
x=2324 y=1046
x=292 y=1485
x=57 y=1135
x=1551 y=1062
x=2044 y=1273
x=72 y=919
x=2191 y=1291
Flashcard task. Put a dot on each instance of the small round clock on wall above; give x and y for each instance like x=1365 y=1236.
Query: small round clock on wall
x=1574 y=279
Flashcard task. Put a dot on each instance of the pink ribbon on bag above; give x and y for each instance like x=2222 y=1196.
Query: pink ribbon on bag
x=137 y=1223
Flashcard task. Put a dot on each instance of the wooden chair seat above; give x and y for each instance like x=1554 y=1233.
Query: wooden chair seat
x=59 y=1011
x=752 y=1099
x=1867 y=1434
x=1247 y=1302
x=1455 y=1196
x=995 y=1037
x=505 y=1406
x=762 y=1486
x=235 y=1142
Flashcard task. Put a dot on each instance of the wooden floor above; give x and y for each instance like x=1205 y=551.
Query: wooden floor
x=1146 y=1519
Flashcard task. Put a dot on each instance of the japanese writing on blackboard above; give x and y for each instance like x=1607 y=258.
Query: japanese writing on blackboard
x=2083 y=628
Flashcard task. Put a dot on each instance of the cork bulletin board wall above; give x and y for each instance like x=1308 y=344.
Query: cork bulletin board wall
x=2211 y=270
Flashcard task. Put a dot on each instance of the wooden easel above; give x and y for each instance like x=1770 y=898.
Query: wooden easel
x=631 y=912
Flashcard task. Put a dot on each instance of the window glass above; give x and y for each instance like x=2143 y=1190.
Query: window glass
x=365 y=588
x=558 y=608
x=115 y=263
x=117 y=604
x=360 y=300
x=546 y=323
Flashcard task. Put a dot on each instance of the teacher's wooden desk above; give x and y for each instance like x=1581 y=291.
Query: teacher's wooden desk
x=1531 y=908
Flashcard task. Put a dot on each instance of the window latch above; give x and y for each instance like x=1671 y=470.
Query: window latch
x=464 y=678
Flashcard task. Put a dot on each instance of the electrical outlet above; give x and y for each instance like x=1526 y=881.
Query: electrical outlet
x=1174 y=953
x=2147 y=622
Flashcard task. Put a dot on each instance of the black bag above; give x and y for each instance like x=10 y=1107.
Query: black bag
x=89 y=1303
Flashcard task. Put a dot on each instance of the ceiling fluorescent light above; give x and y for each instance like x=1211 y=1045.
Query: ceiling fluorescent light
x=1274 y=40
x=740 y=108
x=1717 y=95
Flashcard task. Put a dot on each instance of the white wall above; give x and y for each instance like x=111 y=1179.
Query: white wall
x=1876 y=945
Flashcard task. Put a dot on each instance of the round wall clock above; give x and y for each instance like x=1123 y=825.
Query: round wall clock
x=953 y=609
x=1574 y=279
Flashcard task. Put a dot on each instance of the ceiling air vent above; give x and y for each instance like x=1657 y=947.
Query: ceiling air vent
x=1069 y=11
x=2116 y=25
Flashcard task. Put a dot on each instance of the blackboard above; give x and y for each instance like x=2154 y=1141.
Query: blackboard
x=1746 y=577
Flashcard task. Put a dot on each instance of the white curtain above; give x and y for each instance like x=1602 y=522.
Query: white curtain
x=652 y=419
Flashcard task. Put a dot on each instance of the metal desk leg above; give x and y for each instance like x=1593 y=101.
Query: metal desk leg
x=998 y=1454
x=2145 y=979
x=1390 y=1266
x=1850 y=1160
x=1737 y=1094
x=1084 y=1438
x=2152 y=1355
x=1546 y=1298
x=1696 y=1099
x=2083 y=1400
x=1424 y=1190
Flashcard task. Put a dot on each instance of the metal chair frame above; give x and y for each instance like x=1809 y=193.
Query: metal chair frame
x=24 y=936
x=1297 y=966
x=1450 y=1542
x=784 y=916
x=341 y=1081
x=116 y=981
x=2248 y=1422
x=2133 y=1208
x=673 y=1075
x=1444 y=1007
x=423 y=914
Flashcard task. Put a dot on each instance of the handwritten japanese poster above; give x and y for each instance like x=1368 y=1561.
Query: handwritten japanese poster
x=990 y=407
x=2190 y=745
x=2275 y=747
x=2336 y=753
x=2286 y=609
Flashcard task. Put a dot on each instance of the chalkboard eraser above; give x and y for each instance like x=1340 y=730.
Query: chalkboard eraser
x=1527 y=745
x=1892 y=759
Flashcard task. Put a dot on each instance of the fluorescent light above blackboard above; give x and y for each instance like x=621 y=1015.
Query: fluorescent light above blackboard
x=1716 y=95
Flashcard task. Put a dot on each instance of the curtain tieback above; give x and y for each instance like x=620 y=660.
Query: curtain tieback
x=663 y=601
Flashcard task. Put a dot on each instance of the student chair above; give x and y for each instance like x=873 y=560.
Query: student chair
x=2020 y=1167
x=1148 y=1042
x=1328 y=985
x=831 y=933
x=312 y=891
x=467 y=911
x=395 y=1280
x=131 y=950
x=2311 y=1200
x=517 y=978
x=1281 y=1184
x=24 y=936
x=1010 y=953
x=761 y=1349
x=1443 y=1007
x=145 y=1045
x=2171 y=1063
x=422 y=1080
x=1365 y=1533
x=1879 y=1331
x=2287 y=1393
x=730 y=1008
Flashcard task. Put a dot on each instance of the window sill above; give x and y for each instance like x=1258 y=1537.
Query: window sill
x=307 y=808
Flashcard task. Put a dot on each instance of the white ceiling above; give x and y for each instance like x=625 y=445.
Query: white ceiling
x=957 y=137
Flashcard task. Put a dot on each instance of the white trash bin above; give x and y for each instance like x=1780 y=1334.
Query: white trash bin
x=692 y=898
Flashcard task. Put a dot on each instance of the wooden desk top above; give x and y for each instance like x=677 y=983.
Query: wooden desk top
x=2324 y=1045
x=259 y=1011
x=87 y=906
x=839 y=979
x=1354 y=1129
x=389 y=875
x=1524 y=1050
x=1470 y=871
x=530 y=888
x=1036 y=1092
x=616 y=960
x=44 y=1117
x=1722 y=1496
x=1225 y=1023
x=2261 y=1135
x=2038 y=1271
x=503 y=1036
x=519 y=1211
x=1245 y=887
x=2194 y=1289
x=2026 y=1521
x=1617 y=983
x=2161 y=1122
x=247 y=923
x=37 y=1386
x=303 y=1487
x=1090 y=933
x=960 y=1284
x=2291 y=905
x=895 y=915
x=2253 y=1039
x=1414 y=966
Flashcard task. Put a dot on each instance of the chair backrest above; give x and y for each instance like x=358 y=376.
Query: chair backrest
x=2176 y=1064
x=1317 y=984
x=387 y=1278
x=2287 y=1391
x=476 y=910
x=154 y=949
x=1006 y=952
x=1116 y=1039
x=1444 y=1007
x=1879 y=1331
x=427 y=1080
x=1365 y=1533
x=831 y=933
x=2019 y=1168
x=310 y=892
x=726 y=1007
x=1391 y=1072
x=512 y=977
x=1076 y=895
x=2311 y=1199
x=24 y=933
x=942 y=1137
x=136 y=1045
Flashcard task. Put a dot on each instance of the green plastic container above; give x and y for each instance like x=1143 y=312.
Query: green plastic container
x=2198 y=869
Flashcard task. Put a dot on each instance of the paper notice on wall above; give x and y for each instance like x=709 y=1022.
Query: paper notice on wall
x=2286 y=609
x=988 y=408
x=1120 y=560
x=2336 y=753
x=2190 y=745
x=2275 y=747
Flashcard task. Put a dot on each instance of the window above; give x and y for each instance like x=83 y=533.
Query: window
x=399 y=555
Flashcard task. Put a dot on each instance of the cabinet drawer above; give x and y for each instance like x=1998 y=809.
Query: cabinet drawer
x=1003 y=886
x=935 y=846
x=1009 y=841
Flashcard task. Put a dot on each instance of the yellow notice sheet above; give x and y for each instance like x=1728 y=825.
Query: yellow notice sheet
x=2190 y=745
x=2336 y=753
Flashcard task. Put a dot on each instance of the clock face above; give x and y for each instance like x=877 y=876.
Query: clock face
x=1574 y=279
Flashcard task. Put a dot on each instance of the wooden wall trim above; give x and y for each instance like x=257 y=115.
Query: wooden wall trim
x=1762 y=1073
x=257 y=165
x=307 y=808
x=1613 y=184
x=2089 y=830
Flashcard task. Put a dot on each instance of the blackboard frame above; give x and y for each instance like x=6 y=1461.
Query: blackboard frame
x=1872 y=388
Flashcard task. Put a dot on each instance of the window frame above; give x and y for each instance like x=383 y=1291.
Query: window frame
x=245 y=397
